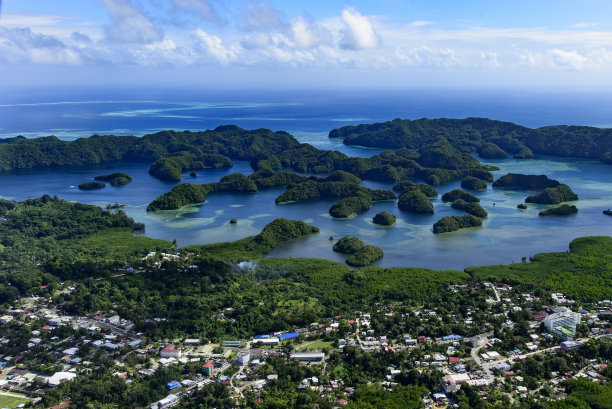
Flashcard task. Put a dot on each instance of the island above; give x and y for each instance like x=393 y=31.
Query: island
x=449 y=224
x=472 y=208
x=189 y=193
x=522 y=206
x=472 y=183
x=459 y=194
x=360 y=254
x=92 y=185
x=384 y=219
x=490 y=138
x=115 y=179
x=520 y=181
x=415 y=201
x=407 y=185
x=563 y=210
x=553 y=195
x=350 y=206
x=607 y=212
x=365 y=256
x=348 y=245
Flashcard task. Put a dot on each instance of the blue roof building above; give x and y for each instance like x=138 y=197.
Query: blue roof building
x=288 y=335
x=173 y=385
x=261 y=336
x=451 y=337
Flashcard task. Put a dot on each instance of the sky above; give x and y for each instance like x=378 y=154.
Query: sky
x=297 y=44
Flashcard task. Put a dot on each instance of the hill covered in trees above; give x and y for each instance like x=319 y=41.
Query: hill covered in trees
x=488 y=138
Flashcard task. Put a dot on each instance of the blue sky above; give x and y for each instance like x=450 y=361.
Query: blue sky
x=276 y=43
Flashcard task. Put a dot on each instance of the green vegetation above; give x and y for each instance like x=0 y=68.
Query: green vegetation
x=583 y=273
x=330 y=187
x=233 y=221
x=607 y=212
x=12 y=401
x=384 y=219
x=277 y=231
x=472 y=208
x=453 y=223
x=553 y=195
x=479 y=134
x=365 y=256
x=520 y=181
x=361 y=254
x=472 y=183
x=115 y=179
x=563 y=210
x=415 y=201
x=348 y=245
x=372 y=397
x=407 y=185
x=171 y=167
x=351 y=205
x=188 y=193
x=522 y=206
x=92 y=185
x=459 y=194
x=491 y=151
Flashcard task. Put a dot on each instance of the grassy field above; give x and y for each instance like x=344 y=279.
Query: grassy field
x=121 y=241
x=11 y=401
x=316 y=345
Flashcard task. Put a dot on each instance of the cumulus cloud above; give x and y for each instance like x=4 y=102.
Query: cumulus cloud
x=129 y=24
x=358 y=32
x=568 y=59
x=212 y=46
x=19 y=45
x=306 y=33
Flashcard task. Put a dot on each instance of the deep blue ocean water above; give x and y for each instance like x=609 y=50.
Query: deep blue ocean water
x=506 y=236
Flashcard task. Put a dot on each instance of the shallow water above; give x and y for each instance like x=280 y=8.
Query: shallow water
x=506 y=235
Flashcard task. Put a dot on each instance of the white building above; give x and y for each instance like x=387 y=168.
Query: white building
x=243 y=358
x=58 y=377
x=559 y=321
x=168 y=402
x=170 y=352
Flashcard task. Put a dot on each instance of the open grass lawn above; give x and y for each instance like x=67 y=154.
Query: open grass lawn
x=316 y=345
x=11 y=401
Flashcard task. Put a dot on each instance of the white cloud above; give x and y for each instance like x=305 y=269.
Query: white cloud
x=358 y=32
x=306 y=33
x=255 y=40
x=568 y=59
x=129 y=24
x=212 y=46
x=261 y=16
x=420 y=23
x=584 y=25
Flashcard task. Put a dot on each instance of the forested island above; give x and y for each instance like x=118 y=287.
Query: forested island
x=449 y=224
x=489 y=138
x=563 y=210
x=92 y=185
x=115 y=179
x=360 y=254
x=384 y=219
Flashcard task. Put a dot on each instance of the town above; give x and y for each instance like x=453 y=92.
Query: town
x=515 y=346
